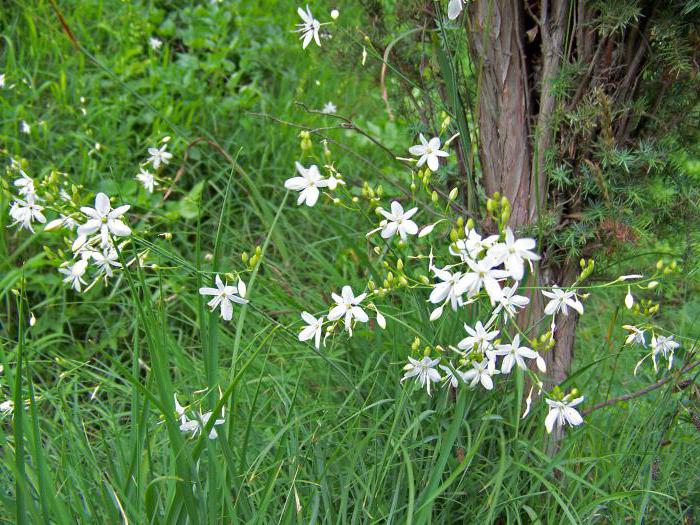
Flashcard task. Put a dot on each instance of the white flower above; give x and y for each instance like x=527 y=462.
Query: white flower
x=509 y=302
x=481 y=372
x=454 y=8
x=514 y=354
x=159 y=156
x=428 y=151
x=313 y=329
x=329 y=108
x=347 y=305
x=25 y=185
x=25 y=212
x=63 y=221
x=484 y=274
x=335 y=14
x=663 y=345
x=7 y=407
x=25 y=128
x=74 y=274
x=423 y=370
x=308 y=27
x=195 y=426
x=450 y=378
x=629 y=299
x=513 y=254
x=104 y=219
x=399 y=221
x=105 y=260
x=308 y=184
x=561 y=412
x=225 y=296
x=561 y=300
x=155 y=43
x=472 y=246
x=479 y=338
x=148 y=180
x=2 y=80
x=636 y=336
x=450 y=289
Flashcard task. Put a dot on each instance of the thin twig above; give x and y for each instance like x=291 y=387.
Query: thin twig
x=643 y=391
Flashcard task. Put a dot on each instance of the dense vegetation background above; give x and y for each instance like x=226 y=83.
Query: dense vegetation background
x=329 y=437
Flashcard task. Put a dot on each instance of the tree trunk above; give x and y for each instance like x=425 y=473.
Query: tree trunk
x=511 y=152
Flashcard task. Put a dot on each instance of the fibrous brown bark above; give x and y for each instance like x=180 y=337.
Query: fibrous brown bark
x=515 y=133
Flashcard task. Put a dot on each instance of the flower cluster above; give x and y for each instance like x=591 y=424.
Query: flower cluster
x=25 y=210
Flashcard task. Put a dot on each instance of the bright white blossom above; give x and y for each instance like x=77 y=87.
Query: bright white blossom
x=514 y=354
x=636 y=336
x=2 y=80
x=454 y=8
x=399 y=221
x=307 y=185
x=25 y=185
x=480 y=338
x=148 y=180
x=561 y=412
x=74 y=274
x=159 y=156
x=329 y=108
x=195 y=426
x=312 y=330
x=481 y=372
x=347 y=306
x=664 y=345
x=561 y=300
x=224 y=296
x=450 y=289
x=423 y=371
x=25 y=212
x=472 y=246
x=308 y=28
x=513 y=253
x=428 y=152
x=105 y=260
x=509 y=302
x=484 y=274
x=105 y=220
x=7 y=407
x=452 y=376
x=25 y=128
x=155 y=43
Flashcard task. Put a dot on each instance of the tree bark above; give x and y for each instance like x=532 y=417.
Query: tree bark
x=512 y=154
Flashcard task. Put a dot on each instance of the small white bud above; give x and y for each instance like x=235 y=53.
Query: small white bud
x=335 y=14
x=629 y=300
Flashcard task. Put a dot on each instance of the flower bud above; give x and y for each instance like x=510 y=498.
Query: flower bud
x=424 y=279
x=453 y=194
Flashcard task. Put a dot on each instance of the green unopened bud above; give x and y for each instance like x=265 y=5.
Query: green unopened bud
x=416 y=344
x=470 y=224
x=652 y=285
x=659 y=264
x=403 y=281
x=424 y=279
x=426 y=351
x=454 y=235
x=453 y=194
x=460 y=222
x=399 y=264
x=434 y=197
x=371 y=286
x=245 y=257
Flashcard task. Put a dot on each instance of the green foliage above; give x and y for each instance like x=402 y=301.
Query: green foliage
x=310 y=437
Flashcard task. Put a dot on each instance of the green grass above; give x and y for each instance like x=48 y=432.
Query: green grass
x=310 y=437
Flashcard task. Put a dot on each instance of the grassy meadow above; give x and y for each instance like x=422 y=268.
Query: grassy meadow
x=309 y=436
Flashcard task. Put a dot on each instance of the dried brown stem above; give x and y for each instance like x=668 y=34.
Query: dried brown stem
x=654 y=386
